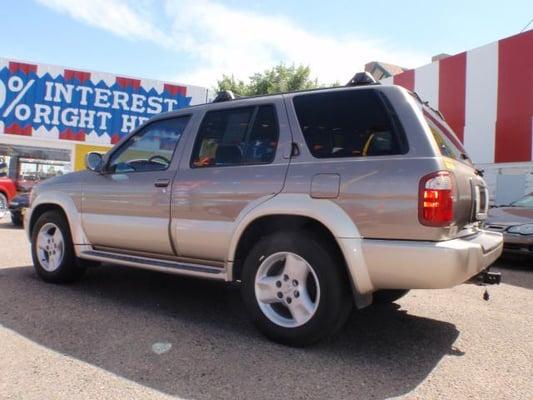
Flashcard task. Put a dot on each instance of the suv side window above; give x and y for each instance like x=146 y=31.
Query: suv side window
x=151 y=149
x=238 y=136
x=351 y=123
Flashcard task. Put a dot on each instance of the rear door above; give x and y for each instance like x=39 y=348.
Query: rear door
x=237 y=160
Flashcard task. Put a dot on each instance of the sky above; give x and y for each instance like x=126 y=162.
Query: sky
x=196 y=41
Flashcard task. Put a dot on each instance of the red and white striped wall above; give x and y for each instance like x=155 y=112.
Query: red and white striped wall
x=486 y=95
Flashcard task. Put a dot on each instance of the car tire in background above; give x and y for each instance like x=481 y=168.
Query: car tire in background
x=388 y=296
x=16 y=219
x=3 y=205
x=52 y=250
x=295 y=289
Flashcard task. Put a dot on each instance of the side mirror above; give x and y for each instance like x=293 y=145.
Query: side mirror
x=94 y=161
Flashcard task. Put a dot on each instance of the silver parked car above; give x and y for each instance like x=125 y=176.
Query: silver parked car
x=515 y=221
x=316 y=201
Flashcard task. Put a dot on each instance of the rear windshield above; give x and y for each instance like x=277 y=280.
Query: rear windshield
x=447 y=141
x=349 y=123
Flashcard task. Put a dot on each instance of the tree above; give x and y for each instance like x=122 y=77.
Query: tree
x=281 y=78
x=230 y=83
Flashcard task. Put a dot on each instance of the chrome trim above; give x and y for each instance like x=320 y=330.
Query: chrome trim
x=164 y=257
x=179 y=268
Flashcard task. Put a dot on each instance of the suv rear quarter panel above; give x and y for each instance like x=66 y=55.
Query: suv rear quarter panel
x=379 y=193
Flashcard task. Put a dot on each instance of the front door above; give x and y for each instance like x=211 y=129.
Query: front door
x=127 y=206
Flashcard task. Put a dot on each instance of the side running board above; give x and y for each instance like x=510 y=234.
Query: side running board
x=155 y=264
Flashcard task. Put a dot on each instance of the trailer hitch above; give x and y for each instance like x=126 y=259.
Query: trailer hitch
x=485 y=278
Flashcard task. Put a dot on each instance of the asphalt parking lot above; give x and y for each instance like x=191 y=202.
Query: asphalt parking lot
x=124 y=333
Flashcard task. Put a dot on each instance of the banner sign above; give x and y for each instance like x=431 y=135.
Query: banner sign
x=51 y=102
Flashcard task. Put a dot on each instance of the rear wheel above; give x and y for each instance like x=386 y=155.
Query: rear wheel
x=295 y=289
x=388 y=296
x=53 y=254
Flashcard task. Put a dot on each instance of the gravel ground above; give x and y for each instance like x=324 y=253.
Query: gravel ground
x=124 y=333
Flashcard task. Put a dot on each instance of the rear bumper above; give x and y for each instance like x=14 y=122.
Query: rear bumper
x=395 y=264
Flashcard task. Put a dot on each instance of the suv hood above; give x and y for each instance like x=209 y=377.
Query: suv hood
x=70 y=182
x=71 y=177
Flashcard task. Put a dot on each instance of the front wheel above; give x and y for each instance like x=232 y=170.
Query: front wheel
x=295 y=288
x=53 y=254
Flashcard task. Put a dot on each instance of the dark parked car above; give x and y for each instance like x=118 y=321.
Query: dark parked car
x=516 y=223
x=17 y=208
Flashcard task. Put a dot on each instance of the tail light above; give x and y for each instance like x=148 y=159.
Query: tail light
x=435 y=199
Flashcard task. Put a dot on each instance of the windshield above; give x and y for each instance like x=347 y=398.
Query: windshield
x=526 y=201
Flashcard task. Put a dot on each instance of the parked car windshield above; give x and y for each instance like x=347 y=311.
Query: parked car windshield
x=526 y=201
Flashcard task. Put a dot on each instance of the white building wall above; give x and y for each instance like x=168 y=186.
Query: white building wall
x=481 y=102
x=427 y=83
x=495 y=172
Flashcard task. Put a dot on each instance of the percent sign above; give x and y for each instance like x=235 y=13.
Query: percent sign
x=16 y=84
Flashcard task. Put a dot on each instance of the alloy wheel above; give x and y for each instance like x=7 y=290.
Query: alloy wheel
x=287 y=289
x=50 y=247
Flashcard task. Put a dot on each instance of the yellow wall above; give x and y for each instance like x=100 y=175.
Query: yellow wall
x=81 y=150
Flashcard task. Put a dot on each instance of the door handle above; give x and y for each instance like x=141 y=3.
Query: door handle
x=161 y=183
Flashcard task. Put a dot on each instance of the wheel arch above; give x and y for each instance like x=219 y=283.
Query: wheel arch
x=290 y=211
x=40 y=210
x=270 y=223
x=63 y=203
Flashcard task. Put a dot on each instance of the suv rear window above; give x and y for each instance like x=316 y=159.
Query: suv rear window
x=351 y=123
x=448 y=143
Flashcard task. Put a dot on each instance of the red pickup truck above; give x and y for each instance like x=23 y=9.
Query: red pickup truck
x=7 y=192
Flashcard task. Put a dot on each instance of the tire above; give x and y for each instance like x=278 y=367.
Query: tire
x=318 y=308
x=16 y=219
x=52 y=250
x=3 y=205
x=388 y=296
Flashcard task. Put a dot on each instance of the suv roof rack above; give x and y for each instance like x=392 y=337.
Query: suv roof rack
x=225 y=95
x=359 y=79
x=362 y=79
